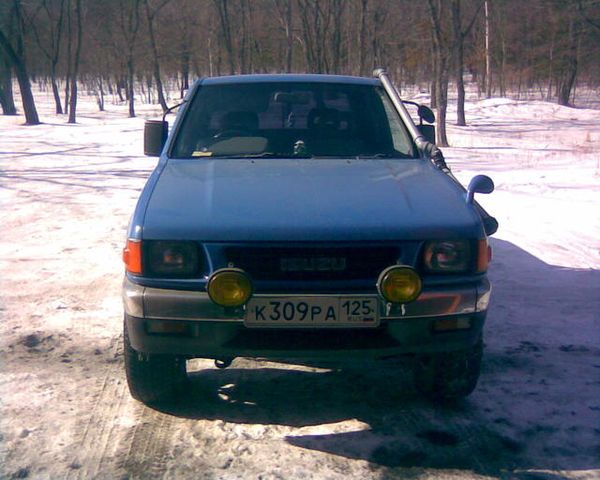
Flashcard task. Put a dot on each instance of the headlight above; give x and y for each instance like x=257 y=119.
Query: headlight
x=451 y=256
x=229 y=287
x=171 y=259
x=399 y=284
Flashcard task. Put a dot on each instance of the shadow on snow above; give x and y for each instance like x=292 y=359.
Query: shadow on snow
x=406 y=431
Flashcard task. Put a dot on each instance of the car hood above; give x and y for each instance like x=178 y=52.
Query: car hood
x=241 y=200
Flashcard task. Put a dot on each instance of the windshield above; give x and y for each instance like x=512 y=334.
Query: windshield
x=283 y=119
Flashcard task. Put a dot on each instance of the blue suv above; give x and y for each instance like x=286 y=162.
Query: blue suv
x=303 y=217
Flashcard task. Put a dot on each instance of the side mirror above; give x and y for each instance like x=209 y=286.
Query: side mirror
x=155 y=137
x=479 y=184
x=428 y=131
x=425 y=113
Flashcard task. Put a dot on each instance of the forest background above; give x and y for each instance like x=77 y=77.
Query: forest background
x=141 y=50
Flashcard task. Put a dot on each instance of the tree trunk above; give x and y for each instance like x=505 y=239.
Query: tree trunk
x=69 y=50
x=307 y=36
x=130 y=79
x=50 y=47
x=442 y=91
x=119 y=87
x=155 y=62
x=243 y=49
x=55 y=92
x=488 y=54
x=7 y=100
x=289 y=38
x=434 y=75
x=100 y=94
x=18 y=63
x=568 y=81
x=336 y=40
x=223 y=10
x=459 y=63
x=284 y=8
x=362 y=39
x=441 y=54
x=185 y=70
x=73 y=99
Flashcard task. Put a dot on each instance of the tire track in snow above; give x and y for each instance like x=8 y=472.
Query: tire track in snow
x=100 y=438
x=150 y=445
x=111 y=450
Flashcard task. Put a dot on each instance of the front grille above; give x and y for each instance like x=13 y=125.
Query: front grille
x=312 y=263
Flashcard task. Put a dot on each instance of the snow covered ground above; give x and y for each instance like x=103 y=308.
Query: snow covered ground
x=66 y=193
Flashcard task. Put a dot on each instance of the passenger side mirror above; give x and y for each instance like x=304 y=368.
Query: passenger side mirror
x=425 y=113
x=155 y=137
x=428 y=131
x=479 y=184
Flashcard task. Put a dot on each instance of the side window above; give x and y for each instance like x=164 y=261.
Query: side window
x=400 y=138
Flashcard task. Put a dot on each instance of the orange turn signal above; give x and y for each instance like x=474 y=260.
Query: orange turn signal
x=132 y=256
x=484 y=255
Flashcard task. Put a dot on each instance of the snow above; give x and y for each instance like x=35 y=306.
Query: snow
x=66 y=194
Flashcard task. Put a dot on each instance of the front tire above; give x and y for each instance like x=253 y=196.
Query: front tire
x=153 y=378
x=449 y=376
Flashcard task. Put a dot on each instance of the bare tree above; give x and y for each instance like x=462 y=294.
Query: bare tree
x=7 y=101
x=222 y=7
x=285 y=10
x=362 y=39
x=589 y=10
x=337 y=9
x=459 y=62
x=545 y=46
x=16 y=56
x=129 y=25
x=441 y=57
x=488 y=53
x=76 y=60
x=50 y=45
x=151 y=14
x=569 y=73
x=69 y=56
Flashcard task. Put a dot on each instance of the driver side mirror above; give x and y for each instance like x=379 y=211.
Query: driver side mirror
x=428 y=131
x=155 y=137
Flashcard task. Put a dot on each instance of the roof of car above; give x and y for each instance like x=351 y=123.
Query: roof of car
x=313 y=78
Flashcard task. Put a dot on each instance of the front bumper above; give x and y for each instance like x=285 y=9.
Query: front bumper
x=207 y=330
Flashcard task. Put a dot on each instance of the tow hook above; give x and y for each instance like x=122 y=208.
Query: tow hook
x=223 y=363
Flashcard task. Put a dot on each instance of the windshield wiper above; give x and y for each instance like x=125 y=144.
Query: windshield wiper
x=251 y=155
x=382 y=155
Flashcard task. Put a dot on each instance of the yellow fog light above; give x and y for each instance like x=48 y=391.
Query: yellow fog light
x=229 y=287
x=399 y=284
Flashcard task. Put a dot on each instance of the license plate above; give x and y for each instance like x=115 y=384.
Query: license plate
x=312 y=312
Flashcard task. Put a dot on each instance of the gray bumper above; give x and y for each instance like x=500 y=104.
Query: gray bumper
x=214 y=332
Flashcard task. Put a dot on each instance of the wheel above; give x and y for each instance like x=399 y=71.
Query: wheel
x=448 y=376
x=153 y=378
